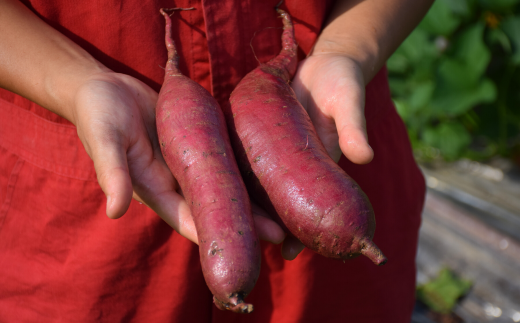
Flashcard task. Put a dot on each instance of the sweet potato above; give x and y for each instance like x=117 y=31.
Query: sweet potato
x=195 y=144
x=283 y=162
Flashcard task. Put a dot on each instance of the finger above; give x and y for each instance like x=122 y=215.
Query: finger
x=174 y=210
x=349 y=117
x=266 y=228
x=138 y=199
x=112 y=173
x=291 y=248
x=155 y=187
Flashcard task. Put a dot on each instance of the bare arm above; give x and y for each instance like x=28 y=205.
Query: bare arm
x=114 y=115
x=369 y=31
x=355 y=43
x=38 y=62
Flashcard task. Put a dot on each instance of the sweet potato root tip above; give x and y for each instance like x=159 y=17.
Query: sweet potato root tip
x=373 y=253
x=243 y=308
x=315 y=199
x=235 y=304
x=285 y=63
x=177 y=9
x=172 y=65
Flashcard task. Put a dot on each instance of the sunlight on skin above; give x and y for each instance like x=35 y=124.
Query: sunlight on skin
x=330 y=87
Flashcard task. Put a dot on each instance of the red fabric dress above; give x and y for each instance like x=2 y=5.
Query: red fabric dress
x=63 y=260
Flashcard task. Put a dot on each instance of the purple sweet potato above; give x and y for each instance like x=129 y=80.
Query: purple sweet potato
x=195 y=144
x=283 y=162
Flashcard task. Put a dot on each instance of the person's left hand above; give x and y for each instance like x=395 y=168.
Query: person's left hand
x=331 y=87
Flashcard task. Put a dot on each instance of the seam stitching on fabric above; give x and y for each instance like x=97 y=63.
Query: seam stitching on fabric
x=11 y=183
x=43 y=164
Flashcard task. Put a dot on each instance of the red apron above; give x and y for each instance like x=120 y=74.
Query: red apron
x=63 y=260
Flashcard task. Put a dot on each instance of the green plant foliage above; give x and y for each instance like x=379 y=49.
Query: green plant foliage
x=455 y=80
x=442 y=20
x=499 y=5
x=511 y=29
x=442 y=293
x=450 y=137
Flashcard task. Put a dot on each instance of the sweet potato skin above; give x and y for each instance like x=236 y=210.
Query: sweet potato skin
x=195 y=144
x=317 y=201
x=284 y=163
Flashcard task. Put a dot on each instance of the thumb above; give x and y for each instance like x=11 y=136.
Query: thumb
x=112 y=173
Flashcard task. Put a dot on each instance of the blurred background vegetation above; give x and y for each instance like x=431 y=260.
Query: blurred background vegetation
x=455 y=81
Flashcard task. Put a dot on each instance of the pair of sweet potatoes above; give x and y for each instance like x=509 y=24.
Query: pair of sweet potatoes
x=283 y=162
x=195 y=144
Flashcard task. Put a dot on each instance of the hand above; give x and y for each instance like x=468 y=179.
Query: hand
x=115 y=119
x=332 y=90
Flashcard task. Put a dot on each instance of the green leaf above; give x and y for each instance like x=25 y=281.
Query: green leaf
x=511 y=27
x=471 y=49
x=442 y=293
x=402 y=109
x=498 y=5
x=450 y=137
x=498 y=36
x=421 y=95
x=463 y=8
x=451 y=101
x=440 y=20
x=417 y=47
x=469 y=59
x=457 y=74
x=397 y=63
x=398 y=86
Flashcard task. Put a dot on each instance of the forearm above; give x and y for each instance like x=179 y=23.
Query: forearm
x=38 y=62
x=369 y=31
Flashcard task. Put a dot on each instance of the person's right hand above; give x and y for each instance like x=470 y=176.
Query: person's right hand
x=114 y=115
x=115 y=119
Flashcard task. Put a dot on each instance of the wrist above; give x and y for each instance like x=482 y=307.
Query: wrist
x=346 y=33
x=39 y=63
x=369 y=31
x=62 y=86
x=364 y=56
